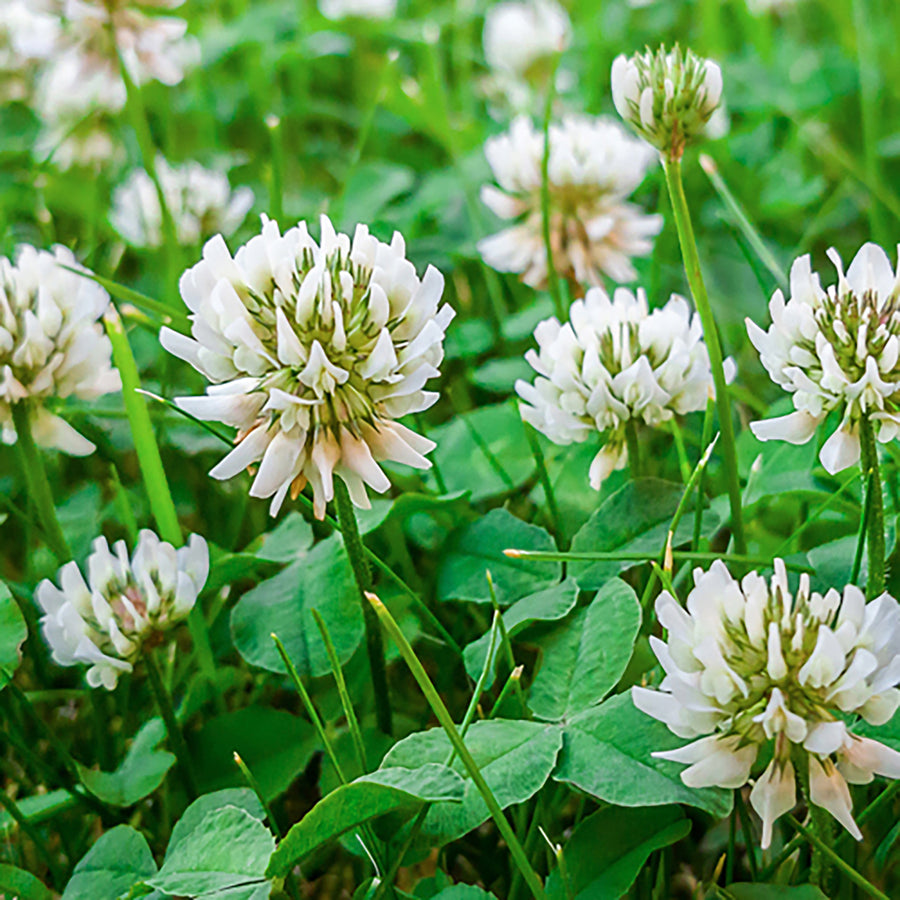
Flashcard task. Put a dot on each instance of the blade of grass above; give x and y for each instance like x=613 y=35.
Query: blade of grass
x=446 y=721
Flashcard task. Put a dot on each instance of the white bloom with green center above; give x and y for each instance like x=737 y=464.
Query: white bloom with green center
x=200 y=200
x=28 y=35
x=613 y=363
x=522 y=37
x=835 y=349
x=668 y=97
x=750 y=666
x=314 y=351
x=52 y=345
x=594 y=166
x=125 y=603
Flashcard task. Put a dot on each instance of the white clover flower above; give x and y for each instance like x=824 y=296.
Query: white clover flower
x=200 y=200
x=152 y=46
x=667 y=97
x=51 y=344
x=835 y=349
x=362 y=9
x=125 y=604
x=612 y=363
x=521 y=37
x=758 y=7
x=28 y=35
x=750 y=666
x=314 y=351
x=594 y=166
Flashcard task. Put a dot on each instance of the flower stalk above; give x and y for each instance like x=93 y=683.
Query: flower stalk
x=672 y=168
x=874 y=502
x=176 y=737
x=362 y=575
x=38 y=485
x=552 y=276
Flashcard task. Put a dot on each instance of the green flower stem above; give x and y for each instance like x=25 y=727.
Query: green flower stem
x=552 y=277
x=155 y=482
x=446 y=721
x=747 y=831
x=701 y=481
x=694 y=275
x=362 y=574
x=37 y=483
x=276 y=180
x=167 y=711
x=847 y=870
x=874 y=508
x=634 y=448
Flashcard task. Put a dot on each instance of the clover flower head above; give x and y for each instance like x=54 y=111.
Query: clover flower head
x=200 y=201
x=314 y=351
x=361 y=9
x=668 y=97
x=28 y=35
x=615 y=362
x=52 y=345
x=152 y=46
x=521 y=37
x=835 y=349
x=594 y=166
x=125 y=604
x=749 y=666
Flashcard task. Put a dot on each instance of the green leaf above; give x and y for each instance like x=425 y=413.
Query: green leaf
x=478 y=548
x=320 y=578
x=38 y=808
x=141 y=772
x=113 y=866
x=226 y=849
x=634 y=519
x=748 y=891
x=608 y=849
x=515 y=757
x=544 y=606
x=585 y=655
x=470 y=463
x=351 y=805
x=21 y=885
x=274 y=744
x=607 y=753
x=13 y=632
x=290 y=538
x=464 y=892
x=242 y=798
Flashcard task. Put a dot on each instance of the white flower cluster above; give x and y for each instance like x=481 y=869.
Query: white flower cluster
x=103 y=623
x=82 y=86
x=667 y=97
x=612 y=363
x=748 y=665
x=362 y=9
x=200 y=201
x=51 y=343
x=518 y=36
x=835 y=349
x=594 y=166
x=28 y=35
x=314 y=351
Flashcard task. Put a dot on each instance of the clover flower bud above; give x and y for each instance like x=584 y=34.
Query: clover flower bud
x=125 y=604
x=668 y=97
x=752 y=667
x=314 y=350
x=521 y=39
